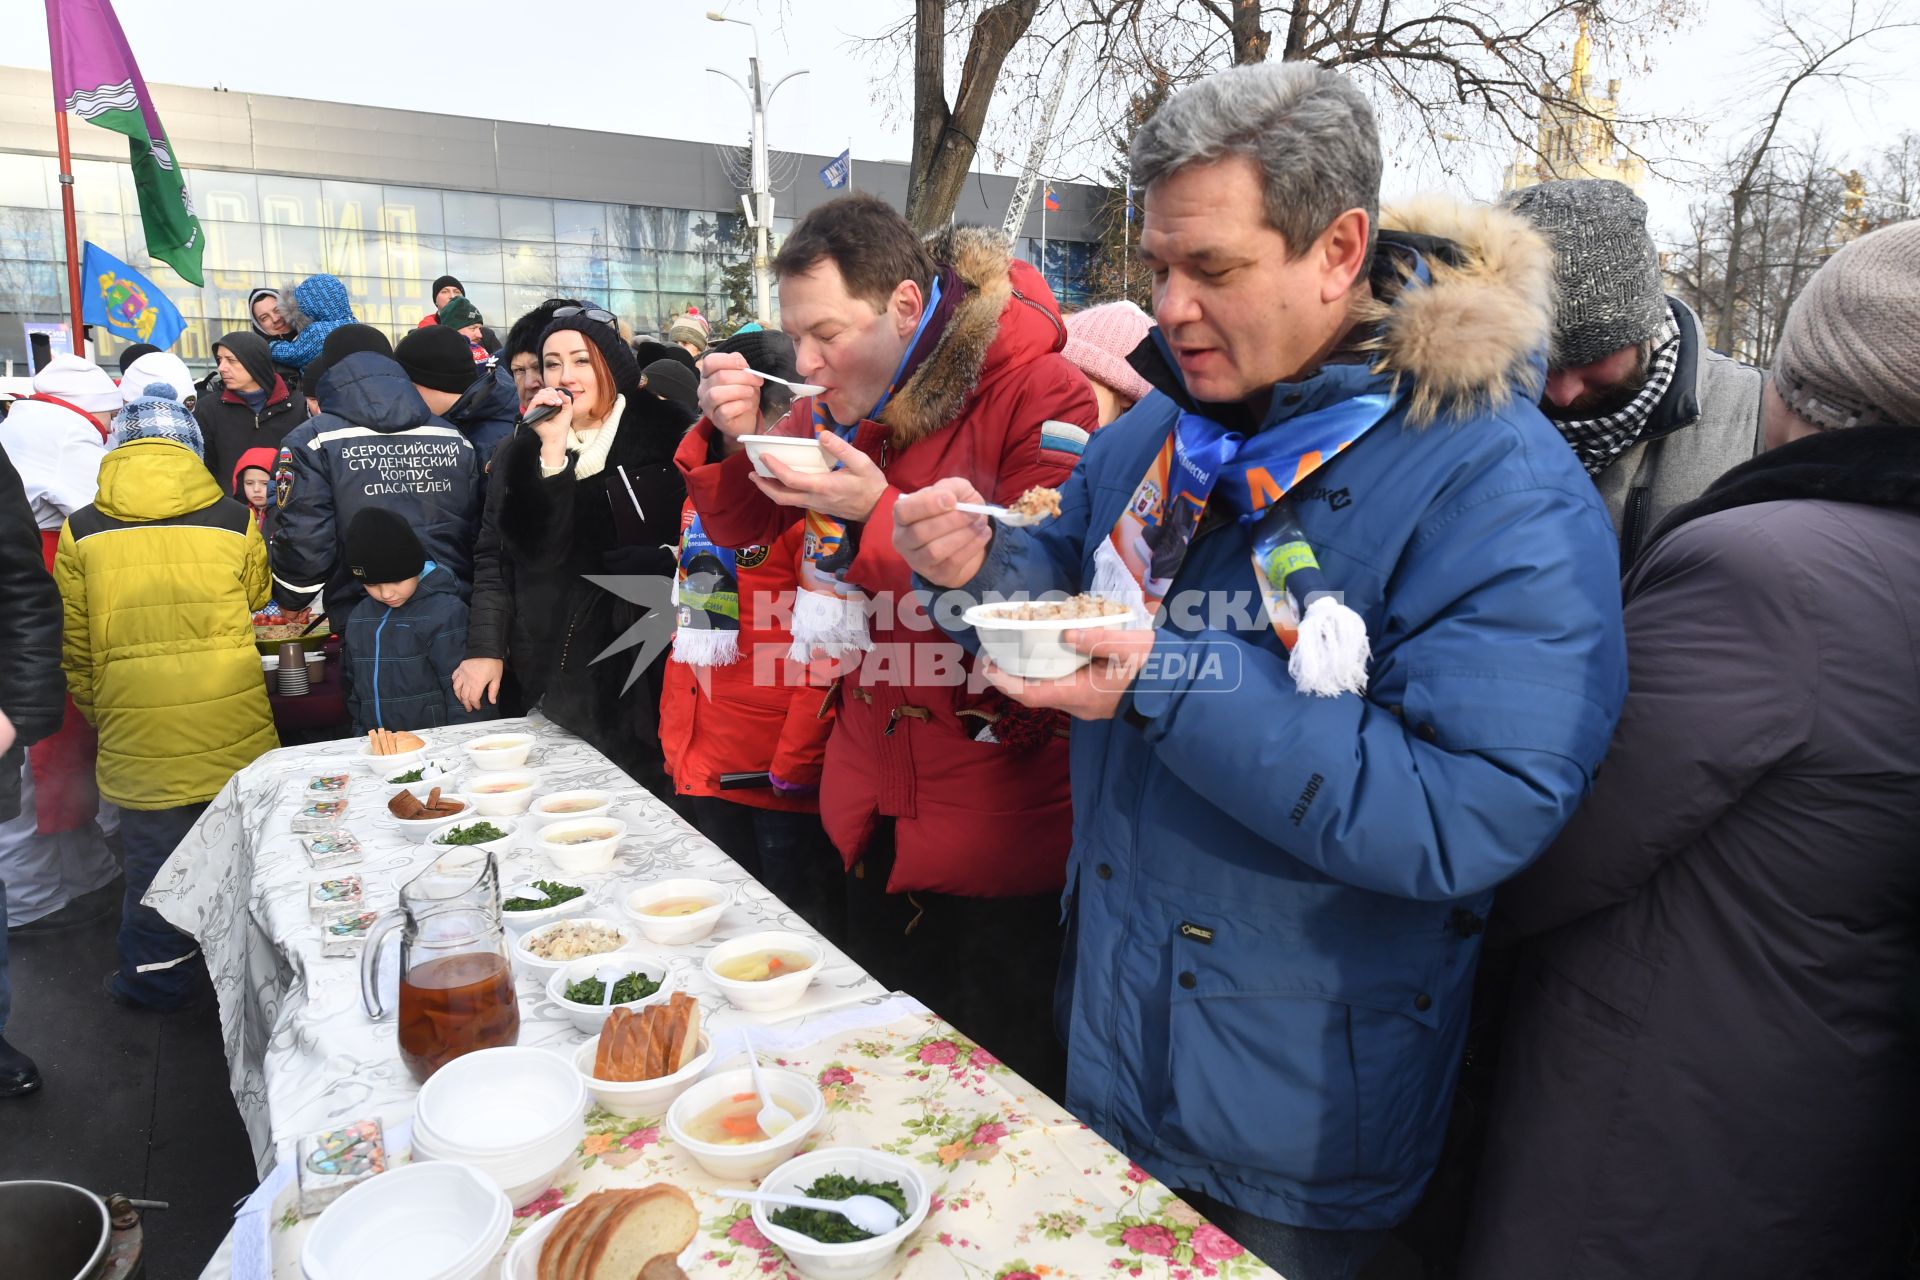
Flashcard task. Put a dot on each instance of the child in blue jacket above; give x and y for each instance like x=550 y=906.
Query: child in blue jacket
x=405 y=639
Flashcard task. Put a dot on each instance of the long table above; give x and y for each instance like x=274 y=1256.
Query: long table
x=1023 y=1189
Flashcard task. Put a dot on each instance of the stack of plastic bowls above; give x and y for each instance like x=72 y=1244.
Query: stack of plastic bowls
x=424 y=1221
x=514 y=1114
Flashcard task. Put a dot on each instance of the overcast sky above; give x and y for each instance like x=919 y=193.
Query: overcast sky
x=638 y=67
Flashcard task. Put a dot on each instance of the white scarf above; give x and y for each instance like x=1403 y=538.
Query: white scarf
x=591 y=450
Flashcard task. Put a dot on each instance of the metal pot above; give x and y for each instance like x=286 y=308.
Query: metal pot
x=52 y=1230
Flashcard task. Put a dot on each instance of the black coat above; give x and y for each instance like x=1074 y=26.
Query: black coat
x=540 y=539
x=32 y=692
x=228 y=427
x=1709 y=1058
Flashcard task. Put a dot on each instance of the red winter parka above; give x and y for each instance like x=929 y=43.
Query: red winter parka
x=995 y=402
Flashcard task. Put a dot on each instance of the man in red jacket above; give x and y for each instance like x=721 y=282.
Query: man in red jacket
x=949 y=805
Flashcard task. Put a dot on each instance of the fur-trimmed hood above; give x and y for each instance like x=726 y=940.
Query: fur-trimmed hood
x=983 y=334
x=1477 y=333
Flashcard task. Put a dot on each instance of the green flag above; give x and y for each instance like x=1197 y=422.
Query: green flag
x=96 y=78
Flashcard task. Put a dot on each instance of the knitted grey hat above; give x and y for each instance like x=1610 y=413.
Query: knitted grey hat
x=1606 y=272
x=1847 y=356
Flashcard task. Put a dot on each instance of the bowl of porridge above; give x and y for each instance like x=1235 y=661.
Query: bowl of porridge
x=1023 y=636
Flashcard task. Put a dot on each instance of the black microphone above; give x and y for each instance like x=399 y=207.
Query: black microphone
x=545 y=411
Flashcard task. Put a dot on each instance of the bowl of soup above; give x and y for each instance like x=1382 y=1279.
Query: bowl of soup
x=500 y=750
x=714 y=1121
x=761 y=972
x=673 y=913
x=559 y=806
x=503 y=793
x=580 y=846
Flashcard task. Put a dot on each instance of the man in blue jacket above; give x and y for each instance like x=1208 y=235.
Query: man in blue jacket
x=1288 y=824
x=374 y=443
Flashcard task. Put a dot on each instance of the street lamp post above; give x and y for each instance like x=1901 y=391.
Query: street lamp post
x=762 y=193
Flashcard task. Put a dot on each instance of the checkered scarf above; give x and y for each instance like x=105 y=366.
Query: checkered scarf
x=1598 y=441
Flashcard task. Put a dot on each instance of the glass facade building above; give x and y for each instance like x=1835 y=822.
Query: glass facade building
x=644 y=257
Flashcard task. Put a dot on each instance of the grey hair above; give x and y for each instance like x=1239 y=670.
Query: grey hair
x=1310 y=132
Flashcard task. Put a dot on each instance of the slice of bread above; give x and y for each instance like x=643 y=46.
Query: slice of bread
x=575 y=1246
x=653 y=1222
x=556 y=1242
x=683 y=1040
x=611 y=1033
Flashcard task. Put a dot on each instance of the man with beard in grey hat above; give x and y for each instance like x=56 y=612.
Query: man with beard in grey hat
x=1651 y=411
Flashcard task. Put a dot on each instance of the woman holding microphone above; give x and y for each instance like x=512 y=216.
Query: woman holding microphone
x=583 y=496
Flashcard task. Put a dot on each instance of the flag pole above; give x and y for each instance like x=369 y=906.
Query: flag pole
x=851 y=185
x=66 y=199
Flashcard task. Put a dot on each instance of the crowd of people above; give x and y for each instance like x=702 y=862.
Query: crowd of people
x=1496 y=611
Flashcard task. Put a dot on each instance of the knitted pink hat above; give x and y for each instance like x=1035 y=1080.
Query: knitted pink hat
x=1101 y=338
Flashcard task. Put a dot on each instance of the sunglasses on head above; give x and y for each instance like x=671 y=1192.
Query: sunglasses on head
x=591 y=313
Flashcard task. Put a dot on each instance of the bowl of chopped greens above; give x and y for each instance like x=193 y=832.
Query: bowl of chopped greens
x=490 y=835
x=825 y=1246
x=532 y=903
x=644 y=979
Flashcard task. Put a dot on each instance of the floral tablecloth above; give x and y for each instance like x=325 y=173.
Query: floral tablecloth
x=1023 y=1189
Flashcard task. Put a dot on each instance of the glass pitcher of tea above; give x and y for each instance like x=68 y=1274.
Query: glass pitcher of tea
x=456 y=975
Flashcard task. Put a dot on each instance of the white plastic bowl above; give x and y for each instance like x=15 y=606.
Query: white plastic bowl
x=819 y=1261
x=420 y=830
x=500 y=750
x=1031 y=648
x=772 y=993
x=432 y=1221
x=600 y=803
x=641 y=1097
x=521 y=1178
x=499 y=846
x=584 y=858
x=398 y=762
x=798 y=453
x=526 y=921
x=590 y=1017
x=503 y=804
x=677 y=931
x=532 y=964
x=752 y=1159
x=497 y=1103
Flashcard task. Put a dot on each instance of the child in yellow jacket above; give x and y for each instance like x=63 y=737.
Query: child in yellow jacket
x=159 y=578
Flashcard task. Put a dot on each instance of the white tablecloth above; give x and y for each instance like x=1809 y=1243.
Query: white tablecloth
x=304 y=1055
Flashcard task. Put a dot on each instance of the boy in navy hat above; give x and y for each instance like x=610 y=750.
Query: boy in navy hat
x=405 y=639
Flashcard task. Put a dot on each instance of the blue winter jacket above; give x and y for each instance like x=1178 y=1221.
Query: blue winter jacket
x=403 y=658
x=322 y=299
x=373 y=444
x=1275 y=899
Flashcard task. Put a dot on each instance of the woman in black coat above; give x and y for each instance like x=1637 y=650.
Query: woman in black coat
x=576 y=547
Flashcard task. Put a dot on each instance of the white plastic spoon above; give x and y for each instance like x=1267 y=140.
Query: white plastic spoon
x=1005 y=515
x=798 y=388
x=771 y=1119
x=869 y=1213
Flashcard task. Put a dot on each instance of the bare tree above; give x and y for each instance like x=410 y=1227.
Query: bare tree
x=1443 y=69
x=945 y=136
x=1801 y=50
x=1890 y=191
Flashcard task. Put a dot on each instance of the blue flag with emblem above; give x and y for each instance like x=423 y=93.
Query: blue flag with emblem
x=126 y=303
x=835 y=172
